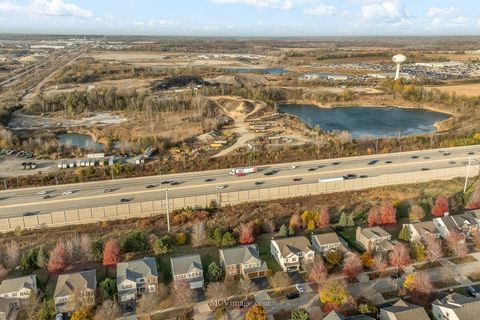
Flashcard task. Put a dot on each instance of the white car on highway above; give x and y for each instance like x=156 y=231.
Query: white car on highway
x=42 y=193
x=292 y=167
x=67 y=192
x=221 y=187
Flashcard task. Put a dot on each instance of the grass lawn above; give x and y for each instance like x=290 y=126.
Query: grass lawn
x=389 y=295
x=443 y=284
x=467 y=259
x=349 y=235
x=207 y=254
x=264 y=250
x=474 y=276
x=426 y=266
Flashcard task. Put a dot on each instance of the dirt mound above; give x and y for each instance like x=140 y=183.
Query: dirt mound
x=177 y=82
x=235 y=79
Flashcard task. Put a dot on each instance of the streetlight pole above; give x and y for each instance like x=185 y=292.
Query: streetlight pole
x=466 y=176
x=168 y=210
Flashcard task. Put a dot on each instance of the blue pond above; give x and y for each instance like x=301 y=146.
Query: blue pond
x=367 y=121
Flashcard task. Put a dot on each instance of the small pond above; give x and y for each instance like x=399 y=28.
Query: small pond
x=367 y=121
x=82 y=141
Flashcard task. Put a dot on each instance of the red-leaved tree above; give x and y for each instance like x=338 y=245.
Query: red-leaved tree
x=111 y=253
x=388 y=213
x=457 y=243
x=246 y=233
x=474 y=201
x=399 y=256
x=324 y=218
x=56 y=260
x=318 y=271
x=352 y=266
x=441 y=207
x=374 y=217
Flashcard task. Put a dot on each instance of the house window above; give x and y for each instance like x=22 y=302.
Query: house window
x=127 y=286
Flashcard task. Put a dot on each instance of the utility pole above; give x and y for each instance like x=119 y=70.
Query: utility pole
x=168 y=210
x=466 y=176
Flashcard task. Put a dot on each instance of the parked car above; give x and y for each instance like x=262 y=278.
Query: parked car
x=471 y=291
x=59 y=316
x=293 y=295
x=299 y=288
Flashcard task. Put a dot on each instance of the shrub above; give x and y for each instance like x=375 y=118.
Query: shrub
x=137 y=241
x=181 y=238
x=214 y=272
x=163 y=245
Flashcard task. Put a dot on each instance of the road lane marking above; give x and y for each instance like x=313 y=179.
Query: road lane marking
x=239 y=181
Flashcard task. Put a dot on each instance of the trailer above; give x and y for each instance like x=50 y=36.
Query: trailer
x=331 y=179
x=242 y=171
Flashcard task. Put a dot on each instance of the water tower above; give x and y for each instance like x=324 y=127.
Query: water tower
x=398 y=60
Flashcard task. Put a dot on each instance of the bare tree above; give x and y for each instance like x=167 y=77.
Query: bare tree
x=109 y=310
x=199 y=234
x=457 y=244
x=218 y=290
x=434 y=248
x=3 y=271
x=246 y=286
x=12 y=254
x=149 y=303
x=31 y=307
x=182 y=293
x=280 y=280
x=85 y=246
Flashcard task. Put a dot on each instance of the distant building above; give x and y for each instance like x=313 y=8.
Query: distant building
x=188 y=269
x=456 y=307
x=136 y=277
x=244 y=260
x=292 y=253
x=402 y=310
x=75 y=290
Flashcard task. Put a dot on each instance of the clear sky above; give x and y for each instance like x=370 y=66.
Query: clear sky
x=242 y=17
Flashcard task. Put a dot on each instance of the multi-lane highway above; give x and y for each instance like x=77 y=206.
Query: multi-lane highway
x=32 y=201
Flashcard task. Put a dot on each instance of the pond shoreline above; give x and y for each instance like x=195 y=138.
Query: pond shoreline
x=358 y=125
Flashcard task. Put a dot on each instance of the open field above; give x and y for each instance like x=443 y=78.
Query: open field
x=470 y=90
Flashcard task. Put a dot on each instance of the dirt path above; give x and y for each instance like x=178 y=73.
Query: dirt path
x=237 y=109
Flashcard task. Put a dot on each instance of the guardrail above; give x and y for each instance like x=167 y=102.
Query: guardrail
x=159 y=207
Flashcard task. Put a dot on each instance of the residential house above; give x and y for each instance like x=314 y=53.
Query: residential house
x=334 y=315
x=374 y=239
x=17 y=290
x=325 y=242
x=467 y=223
x=136 y=277
x=402 y=310
x=75 y=290
x=188 y=269
x=456 y=307
x=292 y=253
x=419 y=230
x=5 y=309
x=244 y=260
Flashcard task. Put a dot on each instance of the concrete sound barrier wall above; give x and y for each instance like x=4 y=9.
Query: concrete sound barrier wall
x=159 y=207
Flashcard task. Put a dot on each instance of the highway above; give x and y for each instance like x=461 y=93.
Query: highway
x=22 y=202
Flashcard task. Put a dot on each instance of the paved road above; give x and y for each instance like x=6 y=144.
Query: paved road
x=18 y=202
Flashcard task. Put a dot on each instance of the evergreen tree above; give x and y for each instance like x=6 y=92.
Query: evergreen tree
x=343 y=221
x=350 y=221
x=42 y=258
x=214 y=272
x=291 y=231
x=405 y=234
x=283 y=232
